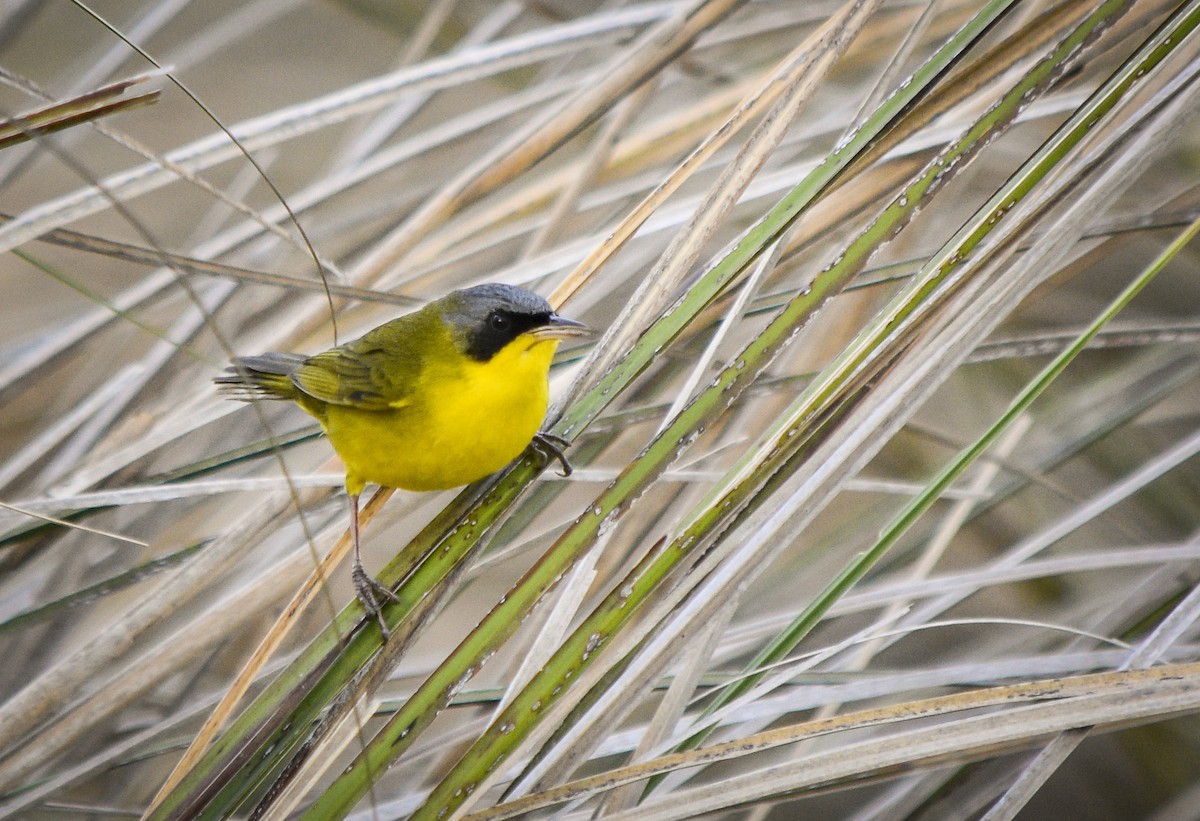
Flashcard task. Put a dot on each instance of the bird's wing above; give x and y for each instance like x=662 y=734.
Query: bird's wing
x=375 y=372
x=345 y=377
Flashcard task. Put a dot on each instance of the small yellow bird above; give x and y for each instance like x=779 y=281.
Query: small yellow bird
x=432 y=400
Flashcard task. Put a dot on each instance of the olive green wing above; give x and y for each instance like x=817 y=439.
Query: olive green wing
x=371 y=373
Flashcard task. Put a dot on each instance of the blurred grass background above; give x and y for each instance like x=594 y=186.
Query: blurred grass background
x=152 y=534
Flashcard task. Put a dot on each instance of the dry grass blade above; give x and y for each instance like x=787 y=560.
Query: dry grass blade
x=75 y=111
x=147 y=256
x=541 y=136
x=965 y=738
x=63 y=523
x=1050 y=691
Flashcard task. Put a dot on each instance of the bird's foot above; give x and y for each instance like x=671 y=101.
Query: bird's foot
x=550 y=446
x=370 y=592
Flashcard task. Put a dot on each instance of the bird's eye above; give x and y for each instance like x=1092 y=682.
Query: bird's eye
x=499 y=322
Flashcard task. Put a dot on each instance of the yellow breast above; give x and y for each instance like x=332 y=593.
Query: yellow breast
x=463 y=421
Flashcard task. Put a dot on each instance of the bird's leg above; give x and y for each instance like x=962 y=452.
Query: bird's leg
x=550 y=446
x=365 y=586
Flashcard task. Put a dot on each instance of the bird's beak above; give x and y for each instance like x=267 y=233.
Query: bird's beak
x=559 y=327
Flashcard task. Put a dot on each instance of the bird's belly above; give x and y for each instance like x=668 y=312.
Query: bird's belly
x=457 y=435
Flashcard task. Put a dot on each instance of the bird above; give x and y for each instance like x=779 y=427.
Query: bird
x=432 y=400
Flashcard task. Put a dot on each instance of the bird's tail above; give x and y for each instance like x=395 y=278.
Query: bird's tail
x=268 y=376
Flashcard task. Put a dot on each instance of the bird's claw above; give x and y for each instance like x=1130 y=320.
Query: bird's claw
x=366 y=588
x=550 y=446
